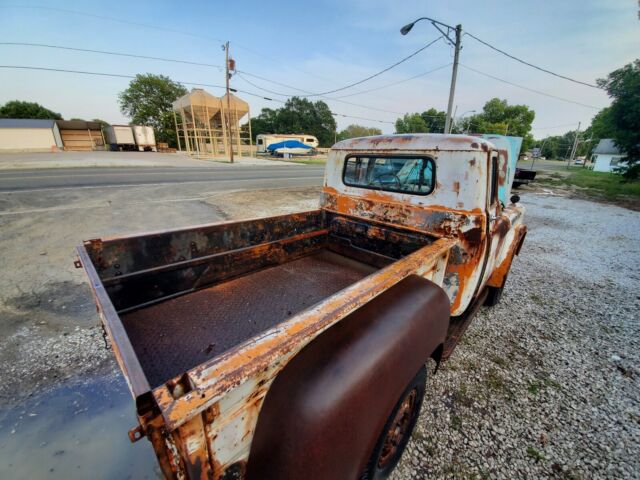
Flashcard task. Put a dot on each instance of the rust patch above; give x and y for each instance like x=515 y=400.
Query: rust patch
x=499 y=275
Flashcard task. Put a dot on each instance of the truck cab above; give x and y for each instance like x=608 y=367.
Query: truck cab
x=295 y=346
x=446 y=186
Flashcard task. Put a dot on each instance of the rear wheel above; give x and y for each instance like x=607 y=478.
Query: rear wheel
x=397 y=430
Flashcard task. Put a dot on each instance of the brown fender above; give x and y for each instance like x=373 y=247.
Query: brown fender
x=325 y=410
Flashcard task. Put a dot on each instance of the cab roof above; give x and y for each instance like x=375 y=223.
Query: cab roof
x=416 y=141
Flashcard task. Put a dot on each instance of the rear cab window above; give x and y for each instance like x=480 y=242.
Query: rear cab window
x=403 y=174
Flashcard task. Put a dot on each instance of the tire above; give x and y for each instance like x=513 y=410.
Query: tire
x=494 y=296
x=397 y=430
x=517 y=184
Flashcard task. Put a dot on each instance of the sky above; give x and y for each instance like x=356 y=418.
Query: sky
x=321 y=46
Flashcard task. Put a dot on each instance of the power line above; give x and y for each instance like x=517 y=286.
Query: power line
x=531 y=64
x=396 y=83
x=326 y=98
x=106 y=52
x=131 y=55
x=118 y=75
x=165 y=29
x=377 y=73
x=529 y=89
x=113 y=19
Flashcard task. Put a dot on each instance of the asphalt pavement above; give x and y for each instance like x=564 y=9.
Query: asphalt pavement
x=229 y=177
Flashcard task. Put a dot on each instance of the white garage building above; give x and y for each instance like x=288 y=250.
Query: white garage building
x=29 y=135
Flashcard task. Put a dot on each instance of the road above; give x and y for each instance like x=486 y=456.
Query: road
x=227 y=177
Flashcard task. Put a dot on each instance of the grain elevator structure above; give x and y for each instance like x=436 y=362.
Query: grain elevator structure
x=209 y=126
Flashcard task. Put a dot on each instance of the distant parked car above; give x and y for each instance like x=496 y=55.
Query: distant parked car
x=579 y=161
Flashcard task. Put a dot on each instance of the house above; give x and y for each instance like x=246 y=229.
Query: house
x=606 y=157
x=29 y=135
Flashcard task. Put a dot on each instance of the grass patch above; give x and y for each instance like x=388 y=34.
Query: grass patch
x=607 y=185
x=550 y=382
x=499 y=360
x=535 y=454
x=534 y=388
x=494 y=381
x=537 y=299
x=456 y=422
x=461 y=396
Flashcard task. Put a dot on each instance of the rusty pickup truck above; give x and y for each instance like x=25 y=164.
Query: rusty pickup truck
x=295 y=346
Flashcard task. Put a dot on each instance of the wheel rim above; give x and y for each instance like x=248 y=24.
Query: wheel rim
x=398 y=430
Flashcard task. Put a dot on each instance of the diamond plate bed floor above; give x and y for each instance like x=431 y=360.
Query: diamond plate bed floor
x=176 y=335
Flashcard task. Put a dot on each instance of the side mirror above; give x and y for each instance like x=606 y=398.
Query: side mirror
x=515 y=198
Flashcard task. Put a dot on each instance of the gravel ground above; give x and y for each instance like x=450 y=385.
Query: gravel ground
x=543 y=385
x=546 y=384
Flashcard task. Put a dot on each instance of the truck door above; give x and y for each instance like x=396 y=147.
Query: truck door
x=498 y=224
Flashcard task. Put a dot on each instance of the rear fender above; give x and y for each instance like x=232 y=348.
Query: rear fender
x=325 y=410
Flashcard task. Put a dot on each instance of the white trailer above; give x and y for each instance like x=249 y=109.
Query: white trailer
x=145 y=138
x=266 y=139
x=120 y=137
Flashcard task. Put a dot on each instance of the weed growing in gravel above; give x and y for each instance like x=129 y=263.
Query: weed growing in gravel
x=537 y=299
x=550 y=382
x=461 y=396
x=499 y=360
x=417 y=435
x=456 y=422
x=494 y=381
x=534 y=388
x=535 y=454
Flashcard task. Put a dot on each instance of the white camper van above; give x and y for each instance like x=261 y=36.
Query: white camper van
x=264 y=140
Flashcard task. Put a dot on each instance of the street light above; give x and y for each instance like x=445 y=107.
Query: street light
x=456 y=43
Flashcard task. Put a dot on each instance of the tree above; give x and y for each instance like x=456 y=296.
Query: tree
x=298 y=115
x=498 y=116
x=147 y=101
x=434 y=119
x=559 y=146
x=264 y=123
x=103 y=123
x=19 y=109
x=354 y=131
x=411 y=123
x=623 y=86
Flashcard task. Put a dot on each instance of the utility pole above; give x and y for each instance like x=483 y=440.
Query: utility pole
x=454 y=75
x=228 y=115
x=575 y=146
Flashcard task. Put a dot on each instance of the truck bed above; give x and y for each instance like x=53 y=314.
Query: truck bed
x=176 y=299
x=178 y=334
